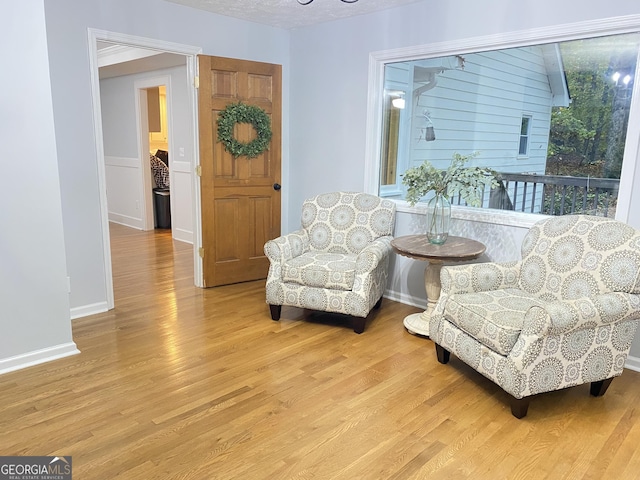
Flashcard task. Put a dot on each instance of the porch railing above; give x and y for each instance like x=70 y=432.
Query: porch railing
x=553 y=194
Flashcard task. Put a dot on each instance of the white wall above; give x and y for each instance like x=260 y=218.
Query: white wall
x=34 y=323
x=123 y=169
x=329 y=79
x=67 y=23
x=125 y=197
x=325 y=75
x=330 y=73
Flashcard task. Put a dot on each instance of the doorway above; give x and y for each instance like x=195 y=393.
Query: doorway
x=155 y=46
x=157 y=136
x=154 y=126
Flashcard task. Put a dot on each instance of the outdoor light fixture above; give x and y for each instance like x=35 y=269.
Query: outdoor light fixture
x=307 y=2
x=398 y=102
x=397 y=98
x=617 y=76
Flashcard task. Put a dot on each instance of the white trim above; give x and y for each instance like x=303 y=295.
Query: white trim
x=633 y=363
x=182 y=235
x=102 y=175
x=37 y=357
x=126 y=220
x=481 y=215
x=125 y=162
x=190 y=52
x=120 y=53
x=631 y=149
x=192 y=73
x=373 y=145
x=86 y=310
x=181 y=166
x=592 y=28
x=405 y=299
x=142 y=130
x=144 y=42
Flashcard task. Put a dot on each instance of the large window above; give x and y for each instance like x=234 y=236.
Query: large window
x=551 y=118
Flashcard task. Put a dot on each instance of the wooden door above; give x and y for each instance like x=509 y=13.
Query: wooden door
x=240 y=196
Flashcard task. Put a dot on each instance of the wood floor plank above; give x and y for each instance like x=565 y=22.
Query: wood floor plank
x=182 y=382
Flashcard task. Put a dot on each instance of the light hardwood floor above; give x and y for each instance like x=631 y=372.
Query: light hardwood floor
x=180 y=382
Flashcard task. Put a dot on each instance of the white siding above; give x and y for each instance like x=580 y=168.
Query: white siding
x=480 y=108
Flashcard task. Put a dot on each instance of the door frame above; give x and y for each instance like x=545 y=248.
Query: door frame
x=142 y=125
x=190 y=52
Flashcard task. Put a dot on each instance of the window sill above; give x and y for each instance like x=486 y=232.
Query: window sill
x=480 y=215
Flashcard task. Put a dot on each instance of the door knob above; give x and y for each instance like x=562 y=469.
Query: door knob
x=277 y=186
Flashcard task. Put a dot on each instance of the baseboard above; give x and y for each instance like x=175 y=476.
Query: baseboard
x=632 y=363
x=37 y=357
x=182 y=235
x=406 y=299
x=126 y=220
x=86 y=310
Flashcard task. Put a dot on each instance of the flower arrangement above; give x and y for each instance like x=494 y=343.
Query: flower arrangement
x=469 y=182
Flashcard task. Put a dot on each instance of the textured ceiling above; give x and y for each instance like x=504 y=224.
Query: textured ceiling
x=289 y=13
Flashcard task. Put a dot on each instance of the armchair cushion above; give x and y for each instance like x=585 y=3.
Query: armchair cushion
x=322 y=270
x=494 y=318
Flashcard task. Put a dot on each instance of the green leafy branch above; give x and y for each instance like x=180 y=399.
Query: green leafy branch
x=468 y=182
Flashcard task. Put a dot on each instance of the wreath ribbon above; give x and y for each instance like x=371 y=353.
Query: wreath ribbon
x=243 y=113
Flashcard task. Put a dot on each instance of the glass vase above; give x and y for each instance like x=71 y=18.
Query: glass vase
x=438 y=219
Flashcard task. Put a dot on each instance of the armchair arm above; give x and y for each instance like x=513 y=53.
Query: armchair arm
x=557 y=323
x=479 y=277
x=565 y=316
x=371 y=255
x=370 y=276
x=286 y=247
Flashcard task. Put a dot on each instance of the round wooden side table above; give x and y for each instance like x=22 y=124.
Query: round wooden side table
x=455 y=249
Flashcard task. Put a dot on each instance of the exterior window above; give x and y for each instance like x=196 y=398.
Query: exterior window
x=394 y=139
x=566 y=153
x=523 y=149
x=389 y=167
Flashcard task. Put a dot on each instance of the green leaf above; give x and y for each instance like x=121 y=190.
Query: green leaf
x=469 y=182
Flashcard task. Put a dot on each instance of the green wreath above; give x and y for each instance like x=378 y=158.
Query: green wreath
x=243 y=113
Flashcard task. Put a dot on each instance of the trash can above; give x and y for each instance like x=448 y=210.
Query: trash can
x=162 y=204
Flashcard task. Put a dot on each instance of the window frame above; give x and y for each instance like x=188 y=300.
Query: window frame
x=566 y=32
x=527 y=135
x=394 y=189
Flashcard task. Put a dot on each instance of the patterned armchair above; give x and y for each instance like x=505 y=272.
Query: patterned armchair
x=337 y=262
x=564 y=315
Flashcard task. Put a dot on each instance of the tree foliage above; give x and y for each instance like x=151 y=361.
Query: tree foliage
x=591 y=131
x=568 y=133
